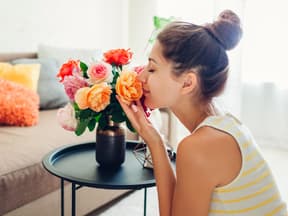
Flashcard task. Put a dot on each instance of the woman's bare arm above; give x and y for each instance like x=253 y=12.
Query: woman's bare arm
x=190 y=194
x=194 y=183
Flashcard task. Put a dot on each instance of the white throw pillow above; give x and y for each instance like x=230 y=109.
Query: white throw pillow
x=62 y=54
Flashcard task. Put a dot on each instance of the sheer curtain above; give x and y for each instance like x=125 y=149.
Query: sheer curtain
x=265 y=86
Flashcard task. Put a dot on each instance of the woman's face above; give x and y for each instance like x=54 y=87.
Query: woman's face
x=161 y=88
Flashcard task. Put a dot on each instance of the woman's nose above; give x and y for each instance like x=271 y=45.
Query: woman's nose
x=142 y=76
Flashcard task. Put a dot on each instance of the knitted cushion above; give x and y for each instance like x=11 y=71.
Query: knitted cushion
x=19 y=105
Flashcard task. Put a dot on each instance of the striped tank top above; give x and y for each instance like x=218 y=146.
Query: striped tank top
x=253 y=192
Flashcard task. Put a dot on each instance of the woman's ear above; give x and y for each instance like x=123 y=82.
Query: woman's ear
x=190 y=81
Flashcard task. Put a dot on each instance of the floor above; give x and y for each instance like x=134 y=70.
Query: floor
x=278 y=161
x=132 y=204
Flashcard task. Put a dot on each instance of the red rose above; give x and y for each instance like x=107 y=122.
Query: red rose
x=118 y=56
x=68 y=68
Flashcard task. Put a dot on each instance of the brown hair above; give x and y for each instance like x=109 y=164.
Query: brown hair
x=203 y=48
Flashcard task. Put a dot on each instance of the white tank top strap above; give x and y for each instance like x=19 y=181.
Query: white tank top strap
x=218 y=121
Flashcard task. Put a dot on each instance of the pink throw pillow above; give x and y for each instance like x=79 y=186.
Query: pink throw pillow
x=19 y=106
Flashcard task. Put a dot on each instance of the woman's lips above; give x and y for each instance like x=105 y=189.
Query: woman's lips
x=145 y=92
x=146 y=109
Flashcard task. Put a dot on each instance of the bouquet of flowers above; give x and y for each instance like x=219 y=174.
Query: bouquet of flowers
x=92 y=91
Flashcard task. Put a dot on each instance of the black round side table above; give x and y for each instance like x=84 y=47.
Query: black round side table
x=77 y=164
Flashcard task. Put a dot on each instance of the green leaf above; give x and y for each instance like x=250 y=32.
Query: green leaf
x=92 y=124
x=84 y=68
x=113 y=83
x=98 y=116
x=81 y=126
x=115 y=76
x=75 y=105
x=102 y=123
x=161 y=22
x=87 y=113
x=129 y=126
x=118 y=116
x=114 y=70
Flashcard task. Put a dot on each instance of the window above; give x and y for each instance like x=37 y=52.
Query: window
x=265 y=42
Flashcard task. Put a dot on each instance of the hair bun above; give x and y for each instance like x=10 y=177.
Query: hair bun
x=226 y=29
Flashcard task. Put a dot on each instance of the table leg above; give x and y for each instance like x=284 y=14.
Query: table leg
x=145 y=200
x=62 y=197
x=73 y=199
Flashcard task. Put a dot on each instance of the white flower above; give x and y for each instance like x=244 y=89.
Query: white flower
x=66 y=117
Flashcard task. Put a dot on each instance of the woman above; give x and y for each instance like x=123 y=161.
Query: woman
x=219 y=169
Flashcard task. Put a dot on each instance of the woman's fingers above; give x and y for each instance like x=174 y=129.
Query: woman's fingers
x=135 y=113
x=139 y=121
x=134 y=108
x=130 y=113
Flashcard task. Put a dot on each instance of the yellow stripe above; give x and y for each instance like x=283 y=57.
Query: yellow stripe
x=246 y=144
x=276 y=210
x=250 y=156
x=256 y=181
x=217 y=120
x=249 y=171
x=259 y=205
x=238 y=134
x=264 y=189
x=229 y=126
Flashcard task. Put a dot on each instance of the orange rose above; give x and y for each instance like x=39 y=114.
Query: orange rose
x=118 y=56
x=81 y=97
x=128 y=87
x=68 y=68
x=98 y=97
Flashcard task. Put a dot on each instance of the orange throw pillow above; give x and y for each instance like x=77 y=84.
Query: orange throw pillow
x=19 y=105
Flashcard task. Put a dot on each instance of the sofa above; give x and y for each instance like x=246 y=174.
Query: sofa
x=26 y=188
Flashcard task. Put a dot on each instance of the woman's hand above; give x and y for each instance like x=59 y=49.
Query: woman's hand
x=140 y=122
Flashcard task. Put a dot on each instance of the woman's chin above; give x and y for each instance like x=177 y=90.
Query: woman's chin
x=150 y=105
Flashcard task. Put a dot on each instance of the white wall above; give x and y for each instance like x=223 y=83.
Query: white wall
x=66 y=23
x=141 y=14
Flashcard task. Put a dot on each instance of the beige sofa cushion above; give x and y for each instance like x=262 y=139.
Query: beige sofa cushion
x=22 y=177
x=22 y=147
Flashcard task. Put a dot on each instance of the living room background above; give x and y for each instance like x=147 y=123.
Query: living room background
x=99 y=24
x=105 y=24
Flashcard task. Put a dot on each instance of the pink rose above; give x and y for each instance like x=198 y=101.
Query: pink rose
x=100 y=72
x=73 y=83
x=66 y=117
x=139 y=69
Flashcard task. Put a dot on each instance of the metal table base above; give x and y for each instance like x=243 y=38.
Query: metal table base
x=74 y=188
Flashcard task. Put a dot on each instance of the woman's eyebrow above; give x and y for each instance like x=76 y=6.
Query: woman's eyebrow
x=152 y=60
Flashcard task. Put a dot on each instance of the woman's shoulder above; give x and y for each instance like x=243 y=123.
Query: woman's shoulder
x=211 y=150
x=206 y=140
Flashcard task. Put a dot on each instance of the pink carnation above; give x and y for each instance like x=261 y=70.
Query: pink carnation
x=66 y=117
x=73 y=83
x=100 y=72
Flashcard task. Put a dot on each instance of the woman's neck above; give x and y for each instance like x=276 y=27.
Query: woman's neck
x=191 y=115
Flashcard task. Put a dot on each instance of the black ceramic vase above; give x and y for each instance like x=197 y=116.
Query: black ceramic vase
x=110 y=145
